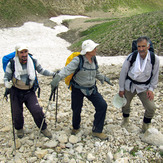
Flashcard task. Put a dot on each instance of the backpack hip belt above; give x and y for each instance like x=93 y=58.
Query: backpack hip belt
x=76 y=85
x=138 y=83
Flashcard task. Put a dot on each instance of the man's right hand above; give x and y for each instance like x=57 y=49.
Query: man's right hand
x=55 y=82
x=121 y=93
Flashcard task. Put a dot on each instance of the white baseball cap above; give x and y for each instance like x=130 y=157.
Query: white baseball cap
x=21 y=46
x=118 y=101
x=88 y=46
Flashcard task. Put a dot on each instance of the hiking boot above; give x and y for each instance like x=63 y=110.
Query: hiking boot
x=125 y=122
x=46 y=133
x=74 y=131
x=101 y=136
x=145 y=127
x=20 y=133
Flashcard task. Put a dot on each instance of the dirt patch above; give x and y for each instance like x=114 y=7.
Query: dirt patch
x=75 y=27
x=80 y=24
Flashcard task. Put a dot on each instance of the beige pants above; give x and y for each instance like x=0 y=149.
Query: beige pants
x=148 y=104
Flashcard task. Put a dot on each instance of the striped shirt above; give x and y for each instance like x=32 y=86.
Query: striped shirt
x=85 y=78
x=24 y=82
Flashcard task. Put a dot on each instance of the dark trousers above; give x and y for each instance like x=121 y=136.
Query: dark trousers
x=28 y=97
x=100 y=109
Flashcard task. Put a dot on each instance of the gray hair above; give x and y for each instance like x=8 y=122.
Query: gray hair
x=144 y=38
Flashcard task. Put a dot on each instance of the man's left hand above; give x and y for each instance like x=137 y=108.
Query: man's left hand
x=8 y=84
x=150 y=95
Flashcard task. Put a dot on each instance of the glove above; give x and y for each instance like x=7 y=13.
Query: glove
x=55 y=73
x=55 y=82
x=8 y=84
x=107 y=80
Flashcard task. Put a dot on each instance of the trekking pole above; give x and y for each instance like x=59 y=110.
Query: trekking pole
x=13 y=130
x=51 y=95
x=13 y=127
x=56 y=108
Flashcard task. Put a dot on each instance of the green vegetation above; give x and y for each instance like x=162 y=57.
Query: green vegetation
x=161 y=154
x=13 y=11
x=148 y=148
x=115 y=36
x=141 y=6
x=100 y=19
x=134 y=151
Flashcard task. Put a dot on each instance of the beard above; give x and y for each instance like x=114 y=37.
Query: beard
x=23 y=60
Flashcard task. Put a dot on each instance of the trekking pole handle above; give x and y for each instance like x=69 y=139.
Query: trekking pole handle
x=54 y=95
x=50 y=96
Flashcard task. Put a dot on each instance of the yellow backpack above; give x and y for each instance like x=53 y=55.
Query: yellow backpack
x=69 y=59
x=80 y=66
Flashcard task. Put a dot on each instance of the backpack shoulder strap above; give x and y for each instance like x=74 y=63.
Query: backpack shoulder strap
x=96 y=63
x=134 y=45
x=12 y=64
x=36 y=84
x=81 y=61
x=152 y=55
x=133 y=55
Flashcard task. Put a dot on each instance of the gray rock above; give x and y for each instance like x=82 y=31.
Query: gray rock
x=83 y=147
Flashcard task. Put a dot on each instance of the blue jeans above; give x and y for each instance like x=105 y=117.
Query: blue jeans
x=28 y=97
x=100 y=109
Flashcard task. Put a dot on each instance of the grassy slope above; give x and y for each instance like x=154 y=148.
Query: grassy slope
x=136 y=5
x=16 y=12
x=115 y=36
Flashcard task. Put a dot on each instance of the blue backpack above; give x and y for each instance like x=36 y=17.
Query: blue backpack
x=6 y=59
x=9 y=58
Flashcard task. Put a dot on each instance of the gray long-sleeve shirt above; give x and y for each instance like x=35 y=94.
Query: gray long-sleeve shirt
x=144 y=76
x=24 y=77
x=85 y=78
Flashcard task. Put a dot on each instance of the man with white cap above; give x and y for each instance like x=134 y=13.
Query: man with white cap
x=20 y=78
x=84 y=85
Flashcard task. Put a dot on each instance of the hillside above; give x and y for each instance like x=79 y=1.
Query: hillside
x=114 y=24
x=115 y=35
